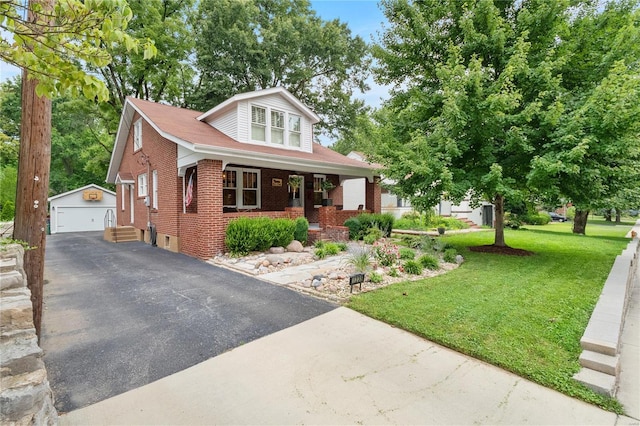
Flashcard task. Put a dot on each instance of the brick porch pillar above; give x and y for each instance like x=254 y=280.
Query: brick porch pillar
x=373 y=197
x=211 y=229
x=326 y=216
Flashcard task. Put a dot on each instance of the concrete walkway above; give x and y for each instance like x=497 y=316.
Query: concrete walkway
x=342 y=368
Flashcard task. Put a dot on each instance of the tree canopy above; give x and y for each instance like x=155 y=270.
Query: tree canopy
x=481 y=88
x=245 y=46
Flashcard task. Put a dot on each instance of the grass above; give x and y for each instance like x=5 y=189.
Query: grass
x=523 y=314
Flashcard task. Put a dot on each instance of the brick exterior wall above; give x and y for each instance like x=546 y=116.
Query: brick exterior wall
x=372 y=196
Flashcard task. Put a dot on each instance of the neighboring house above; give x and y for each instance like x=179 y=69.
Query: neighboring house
x=182 y=175
x=391 y=203
x=83 y=209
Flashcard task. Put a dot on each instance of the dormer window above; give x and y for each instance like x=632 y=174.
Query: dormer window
x=277 y=127
x=137 y=135
x=294 y=130
x=258 y=123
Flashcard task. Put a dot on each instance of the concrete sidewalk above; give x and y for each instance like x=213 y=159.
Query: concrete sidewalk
x=342 y=368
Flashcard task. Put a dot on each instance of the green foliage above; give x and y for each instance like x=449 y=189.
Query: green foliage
x=540 y=218
x=386 y=253
x=282 y=232
x=373 y=234
x=412 y=267
x=301 y=232
x=81 y=32
x=375 y=277
x=8 y=179
x=360 y=259
x=342 y=245
x=246 y=234
x=247 y=45
x=393 y=272
x=449 y=255
x=429 y=261
x=325 y=249
x=354 y=228
x=406 y=253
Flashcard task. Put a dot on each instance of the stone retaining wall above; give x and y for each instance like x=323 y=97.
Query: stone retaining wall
x=25 y=395
x=600 y=358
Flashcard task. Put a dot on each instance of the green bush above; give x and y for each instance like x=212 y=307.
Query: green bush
x=320 y=252
x=406 y=224
x=360 y=259
x=319 y=244
x=406 y=253
x=536 y=218
x=571 y=213
x=301 y=232
x=247 y=234
x=375 y=277
x=450 y=255
x=332 y=248
x=342 y=245
x=282 y=232
x=393 y=272
x=430 y=262
x=412 y=267
x=370 y=238
x=354 y=228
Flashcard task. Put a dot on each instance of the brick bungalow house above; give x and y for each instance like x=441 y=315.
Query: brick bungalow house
x=182 y=175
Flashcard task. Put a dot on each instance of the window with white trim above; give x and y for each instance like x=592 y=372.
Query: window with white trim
x=294 y=130
x=258 y=123
x=241 y=188
x=137 y=135
x=277 y=127
x=122 y=197
x=142 y=185
x=154 y=183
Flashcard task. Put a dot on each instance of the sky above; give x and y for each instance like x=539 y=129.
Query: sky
x=364 y=18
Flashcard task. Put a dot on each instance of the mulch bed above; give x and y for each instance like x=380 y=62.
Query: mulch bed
x=506 y=250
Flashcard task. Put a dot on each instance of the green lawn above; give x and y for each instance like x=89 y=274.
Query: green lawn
x=524 y=314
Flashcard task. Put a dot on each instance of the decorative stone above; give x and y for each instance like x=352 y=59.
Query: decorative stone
x=276 y=250
x=263 y=270
x=316 y=283
x=266 y=263
x=306 y=283
x=333 y=276
x=295 y=246
x=275 y=260
x=459 y=259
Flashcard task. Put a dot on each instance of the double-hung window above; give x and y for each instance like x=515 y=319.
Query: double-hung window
x=241 y=188
x=277 y=127
x=137 y=135
x=142 y=185
x=258 y=123
x=294 y=130
x=318 y=191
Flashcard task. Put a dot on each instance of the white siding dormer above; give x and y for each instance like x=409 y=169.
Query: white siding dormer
x=270 y=120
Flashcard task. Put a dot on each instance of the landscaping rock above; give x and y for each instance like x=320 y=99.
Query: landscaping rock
x=276 y=250
x=459 y=259
x=333 y=276
x=275 y=260
x=316 y=283
x=295 y=246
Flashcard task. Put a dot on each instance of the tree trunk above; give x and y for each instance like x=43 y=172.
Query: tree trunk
x=498 y=202
x=618 y=218
x=580 y=221
x=607 y=215
x=33 y=188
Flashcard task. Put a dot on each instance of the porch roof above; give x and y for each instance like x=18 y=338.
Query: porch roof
x=198 y=140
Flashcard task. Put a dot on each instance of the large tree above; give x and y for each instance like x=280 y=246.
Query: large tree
x=245 y=46
x=476 y=86
x=49 y=40
x=593 y=157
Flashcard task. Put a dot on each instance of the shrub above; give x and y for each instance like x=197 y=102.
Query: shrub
x=342 y=245
x=571 y=213
x=385 y=253
x=430 y=262
x=319 y=244
x=536 y=218
x=373 y=235
x=512 y=221
x=406 y=253
x=450 y=255
x=360 y=259
x=301 y=232
x=405 y=224
x=320 y=252
x=241 y=236
x=412 y=267
x=282 y=232
x=375 y=277
x=393 y=272
x=331 y=248
x=354 y=228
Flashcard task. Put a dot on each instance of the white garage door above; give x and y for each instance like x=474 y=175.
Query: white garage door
x=75 y=219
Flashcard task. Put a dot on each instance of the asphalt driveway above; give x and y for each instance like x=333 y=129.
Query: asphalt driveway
x=119 y=316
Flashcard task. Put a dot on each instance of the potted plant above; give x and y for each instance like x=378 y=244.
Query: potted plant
x=294 y=183
x=327 y=186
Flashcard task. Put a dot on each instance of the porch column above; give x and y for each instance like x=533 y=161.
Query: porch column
x=210 y=221
x=373 y=197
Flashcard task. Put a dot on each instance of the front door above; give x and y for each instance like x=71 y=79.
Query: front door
x=487 y=215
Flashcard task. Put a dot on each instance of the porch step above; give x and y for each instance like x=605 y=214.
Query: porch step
x=600 y=362
x=604 y=384
x=121 y=234
x=469 y=222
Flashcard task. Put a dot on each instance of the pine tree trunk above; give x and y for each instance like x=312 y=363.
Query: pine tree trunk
x=580 y=221
x=33 y=188
x=498 y=202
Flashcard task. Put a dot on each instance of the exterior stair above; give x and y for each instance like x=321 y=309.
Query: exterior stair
x=121 y=234
x=471 y=223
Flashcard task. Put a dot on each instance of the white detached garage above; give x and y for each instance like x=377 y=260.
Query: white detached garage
x=82 y=209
